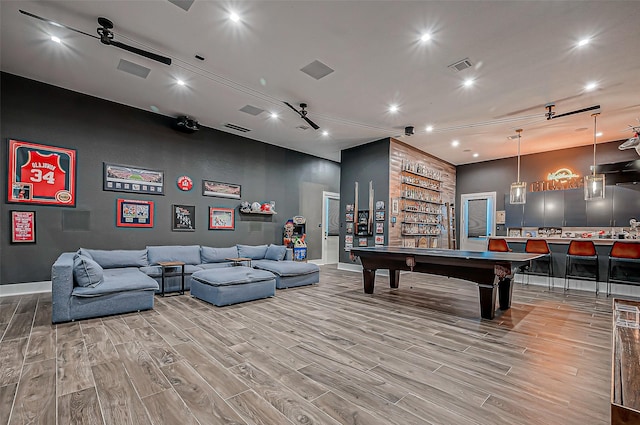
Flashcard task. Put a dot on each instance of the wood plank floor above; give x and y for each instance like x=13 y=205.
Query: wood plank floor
x=324 y=354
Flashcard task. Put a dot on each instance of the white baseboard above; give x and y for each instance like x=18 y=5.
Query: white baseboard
x=25 y=288
x=358 y=268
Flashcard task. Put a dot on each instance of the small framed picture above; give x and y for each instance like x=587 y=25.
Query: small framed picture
x=222 y=190
x=23 y=226
x=350 y=227
x=379 y=215
x=183 y=218
x=349 y=217
x=379 y=240
x=134 y=213
x=348 y=246
x=379 y=205
x=362 y=241
x=348 y=239
x=500 y=217
x=394 y=207
x=350 y=207
x=380 y=227
x=515 y=233
x=221 y=218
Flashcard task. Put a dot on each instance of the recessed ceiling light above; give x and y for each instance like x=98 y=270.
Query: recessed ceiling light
x=590 y=86
x=455 y=143
x=180 y=82
x=429 y=128
x=234 y=17
x=393 y=108
x=475 y=155
x=599 y=134
x=468 y=82
x=56 y=39
x=583 y=42
x=325 y=133
x=425 y=37
x=274 y=115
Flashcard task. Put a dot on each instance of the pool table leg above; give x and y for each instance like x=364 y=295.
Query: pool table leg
x=394 y=278
x=369 y=280
x=505 y=289
x=487 y=300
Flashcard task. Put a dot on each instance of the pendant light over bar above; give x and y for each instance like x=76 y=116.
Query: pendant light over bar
x=594 y=183
x=518 y=191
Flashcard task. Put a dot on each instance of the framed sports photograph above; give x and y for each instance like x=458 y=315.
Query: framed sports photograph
x=183 y=218
x=134 y=213
x=41 y=174
x=362 y=241
x=349 y=217
x=23 y=226
x=379 y=240
x=380 y=227
x=348 y=239
x=221 y=218
x=221 y=190
x=123 y=178
x=379 y=215
x=379 y=205
x=350 y=227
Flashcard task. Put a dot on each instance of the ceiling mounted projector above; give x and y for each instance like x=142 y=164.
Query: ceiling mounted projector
x=187 y=124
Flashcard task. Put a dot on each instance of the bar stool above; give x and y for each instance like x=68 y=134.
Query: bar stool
x=539 y=246
x=581 y=253
x=625 y=257
x=498 y=245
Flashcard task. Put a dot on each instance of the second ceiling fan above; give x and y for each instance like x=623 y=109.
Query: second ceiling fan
x=303 y=114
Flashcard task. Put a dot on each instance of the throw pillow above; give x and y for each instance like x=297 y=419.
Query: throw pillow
x=255 y=252
x=87 y=272
x=276 y=252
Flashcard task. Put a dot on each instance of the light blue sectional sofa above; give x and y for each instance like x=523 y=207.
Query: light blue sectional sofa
x=94 y=283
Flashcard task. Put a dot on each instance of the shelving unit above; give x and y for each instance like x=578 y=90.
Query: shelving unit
x=421 y=205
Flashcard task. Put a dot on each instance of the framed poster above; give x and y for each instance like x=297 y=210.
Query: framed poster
x=380 y=227
x=221 y=218
x=394 y=207
x=23 y=226
x=134 y=213
x=222 y=190
x=348 y=239
x=348 y=217
x=379 y=205
x=41 y=174
x=379 y=240
x=379 y=215
x=183 y=218
x=350 y=207
x=123 y=178
x=350 y=227
x=362 y=241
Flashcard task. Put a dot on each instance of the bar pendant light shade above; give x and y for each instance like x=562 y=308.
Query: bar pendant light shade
x=594 y=183
x=518 y=191
x=594 y=187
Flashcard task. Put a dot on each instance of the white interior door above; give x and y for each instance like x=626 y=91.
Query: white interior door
x=330 y=227
x=478 y=219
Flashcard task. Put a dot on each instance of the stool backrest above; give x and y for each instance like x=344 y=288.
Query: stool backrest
x=625 y=250
x=583 y=248
x=537 y=246
x=498 y=245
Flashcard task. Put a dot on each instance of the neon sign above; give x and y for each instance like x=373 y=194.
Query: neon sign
x=560 y=179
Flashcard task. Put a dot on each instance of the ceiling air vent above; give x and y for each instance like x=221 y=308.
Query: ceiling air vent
x=460 y=65
x=303 y=127
x=237 y=128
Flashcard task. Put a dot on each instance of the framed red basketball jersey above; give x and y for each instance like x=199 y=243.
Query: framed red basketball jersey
x=41 y=174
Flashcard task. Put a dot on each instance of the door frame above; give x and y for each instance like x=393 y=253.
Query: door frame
x=325 y=200
x=464 y=241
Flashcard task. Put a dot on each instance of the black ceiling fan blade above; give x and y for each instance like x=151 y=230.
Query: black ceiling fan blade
x=159 y=58
x=590 y=108
x=291 y=106
x=57 y=24
x=311 y=123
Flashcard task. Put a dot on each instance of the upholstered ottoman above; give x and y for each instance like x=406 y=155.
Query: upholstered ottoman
x=290 y=273
x=231 y=285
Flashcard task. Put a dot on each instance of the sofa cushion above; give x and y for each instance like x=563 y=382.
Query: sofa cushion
x=231 y=276
x=217 y=255
x=116 y=258
x=286 y=268
x=275 y=252
x=156 y=271
x=86 y=272
x=207 y=266
x=189 y=254
x=256 y=252
x=118 y=280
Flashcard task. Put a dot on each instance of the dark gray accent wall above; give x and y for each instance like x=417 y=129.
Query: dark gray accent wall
x=498 y=175
x=363 y=164
x=103 y=131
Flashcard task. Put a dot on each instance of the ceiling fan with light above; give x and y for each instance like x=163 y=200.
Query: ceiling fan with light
x=303 y=114
x=551 y=113
x=633 y=141
x=105 y=35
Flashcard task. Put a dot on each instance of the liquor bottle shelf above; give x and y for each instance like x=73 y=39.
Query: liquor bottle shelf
x=436 y=189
